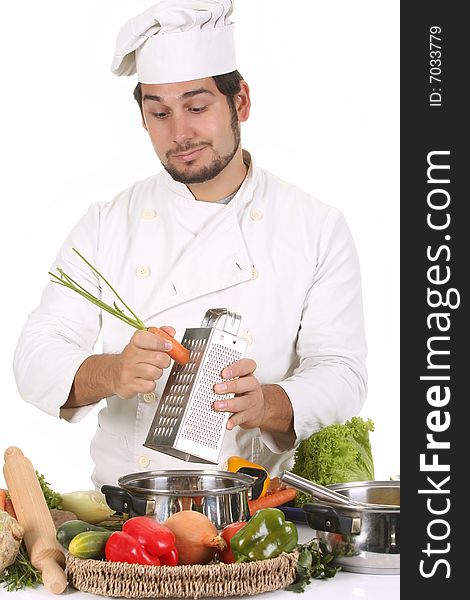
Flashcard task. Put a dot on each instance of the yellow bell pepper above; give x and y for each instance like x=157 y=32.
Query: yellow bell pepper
x=234 y=463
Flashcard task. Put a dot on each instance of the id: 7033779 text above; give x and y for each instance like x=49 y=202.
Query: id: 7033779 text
x=435 y=66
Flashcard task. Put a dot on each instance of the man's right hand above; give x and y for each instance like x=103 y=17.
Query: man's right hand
x=141 y=363
x=131 y=372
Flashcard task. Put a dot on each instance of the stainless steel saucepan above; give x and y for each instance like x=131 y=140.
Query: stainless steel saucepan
x=220 y=495
x=359 y=522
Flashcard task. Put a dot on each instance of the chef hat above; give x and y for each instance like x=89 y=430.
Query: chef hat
x=177 y=40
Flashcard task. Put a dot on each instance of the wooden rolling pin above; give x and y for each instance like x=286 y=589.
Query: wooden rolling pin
x=33 y=514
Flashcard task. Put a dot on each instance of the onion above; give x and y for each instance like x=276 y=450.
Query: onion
x=197 y=539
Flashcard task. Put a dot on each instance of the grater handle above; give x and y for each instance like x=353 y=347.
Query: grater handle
x=215 y=316
x=123 y=501
x=258 y=485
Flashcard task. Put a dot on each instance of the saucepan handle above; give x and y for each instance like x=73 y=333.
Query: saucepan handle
x=123 y=501
x=314 y=489
x=326 y=518
x=258 y=485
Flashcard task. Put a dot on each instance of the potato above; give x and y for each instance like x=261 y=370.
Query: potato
x=61 y=516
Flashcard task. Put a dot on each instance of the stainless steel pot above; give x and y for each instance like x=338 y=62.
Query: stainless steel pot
x=220 y=495
x=363 y=537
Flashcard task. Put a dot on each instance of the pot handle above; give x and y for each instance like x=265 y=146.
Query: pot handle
x=258 y=485
x=123 y=501
x=325 y=518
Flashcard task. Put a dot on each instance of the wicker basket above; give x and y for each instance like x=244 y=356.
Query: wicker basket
x=122 y=580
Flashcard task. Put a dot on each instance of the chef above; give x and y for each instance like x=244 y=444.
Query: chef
x=212 y=229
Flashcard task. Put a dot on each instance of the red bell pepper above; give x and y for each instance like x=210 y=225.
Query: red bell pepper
x=157 y=539
x=122 y=547
x=170 y=558
x=156 y=542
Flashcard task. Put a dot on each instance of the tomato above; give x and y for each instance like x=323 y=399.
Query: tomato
x=226 y=555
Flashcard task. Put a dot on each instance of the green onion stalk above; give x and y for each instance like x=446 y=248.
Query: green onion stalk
x=115 y=310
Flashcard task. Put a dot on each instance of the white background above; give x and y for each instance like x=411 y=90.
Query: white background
x=324 y=78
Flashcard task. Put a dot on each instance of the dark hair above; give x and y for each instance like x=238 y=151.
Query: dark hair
x=228 y=84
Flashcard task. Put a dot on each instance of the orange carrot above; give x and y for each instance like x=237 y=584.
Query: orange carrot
x=272 y=500
x=178 y=353
x=9 y=508
x=3 y=499
x=274 y=485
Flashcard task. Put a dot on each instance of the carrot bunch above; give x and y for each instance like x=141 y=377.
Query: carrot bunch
x=276 y=495
x=6 y=504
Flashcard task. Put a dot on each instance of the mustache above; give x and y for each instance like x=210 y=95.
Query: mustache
x=180 y=148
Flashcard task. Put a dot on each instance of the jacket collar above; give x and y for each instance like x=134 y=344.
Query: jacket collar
x=217 y=258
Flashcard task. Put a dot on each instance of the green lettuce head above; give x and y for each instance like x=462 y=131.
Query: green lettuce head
x=337 y=453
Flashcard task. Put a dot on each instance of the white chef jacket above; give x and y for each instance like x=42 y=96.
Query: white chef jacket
x=280 y=258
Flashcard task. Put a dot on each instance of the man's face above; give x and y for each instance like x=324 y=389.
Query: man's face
x=193 y=129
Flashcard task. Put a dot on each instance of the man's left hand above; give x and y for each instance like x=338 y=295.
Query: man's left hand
x=248 y=406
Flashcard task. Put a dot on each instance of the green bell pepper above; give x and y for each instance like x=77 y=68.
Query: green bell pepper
x=266 y=535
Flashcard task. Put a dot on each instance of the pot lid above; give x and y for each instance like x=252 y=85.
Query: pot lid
x=186 y=482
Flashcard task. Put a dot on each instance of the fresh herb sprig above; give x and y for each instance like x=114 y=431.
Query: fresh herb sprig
x=53 y=499
x=314 y=562
x=114 y=522
x=21 y=574
x=115 y=310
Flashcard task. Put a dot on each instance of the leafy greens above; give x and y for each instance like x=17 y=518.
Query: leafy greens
x=336 y=454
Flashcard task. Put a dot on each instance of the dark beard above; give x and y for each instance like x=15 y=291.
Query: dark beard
x=217 y=165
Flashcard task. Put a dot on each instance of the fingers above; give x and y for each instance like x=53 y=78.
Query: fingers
x=237 y=386
x=147 y=371
x=145 y=340
x=142 y=386
x=247 y=410
x=134 y=378
x=169 y=329
x=235 y=405
x=133 y=359
x=240 y=368
x=127 y=385
x=247 y=405
x=246 y=420
x=141 y=363
x=157 y=359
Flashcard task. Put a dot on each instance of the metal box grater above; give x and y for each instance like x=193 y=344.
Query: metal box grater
x=185 y=424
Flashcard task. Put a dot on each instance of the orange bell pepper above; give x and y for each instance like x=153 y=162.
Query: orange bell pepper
x=235 y=463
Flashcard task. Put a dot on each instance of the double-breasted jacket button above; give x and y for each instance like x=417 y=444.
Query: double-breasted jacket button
x=256 y=214
x=148 y=397
x=142 y=272
x=144 y=461
x=149 y=213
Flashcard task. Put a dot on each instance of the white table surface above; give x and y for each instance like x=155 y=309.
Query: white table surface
x=344 y=586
